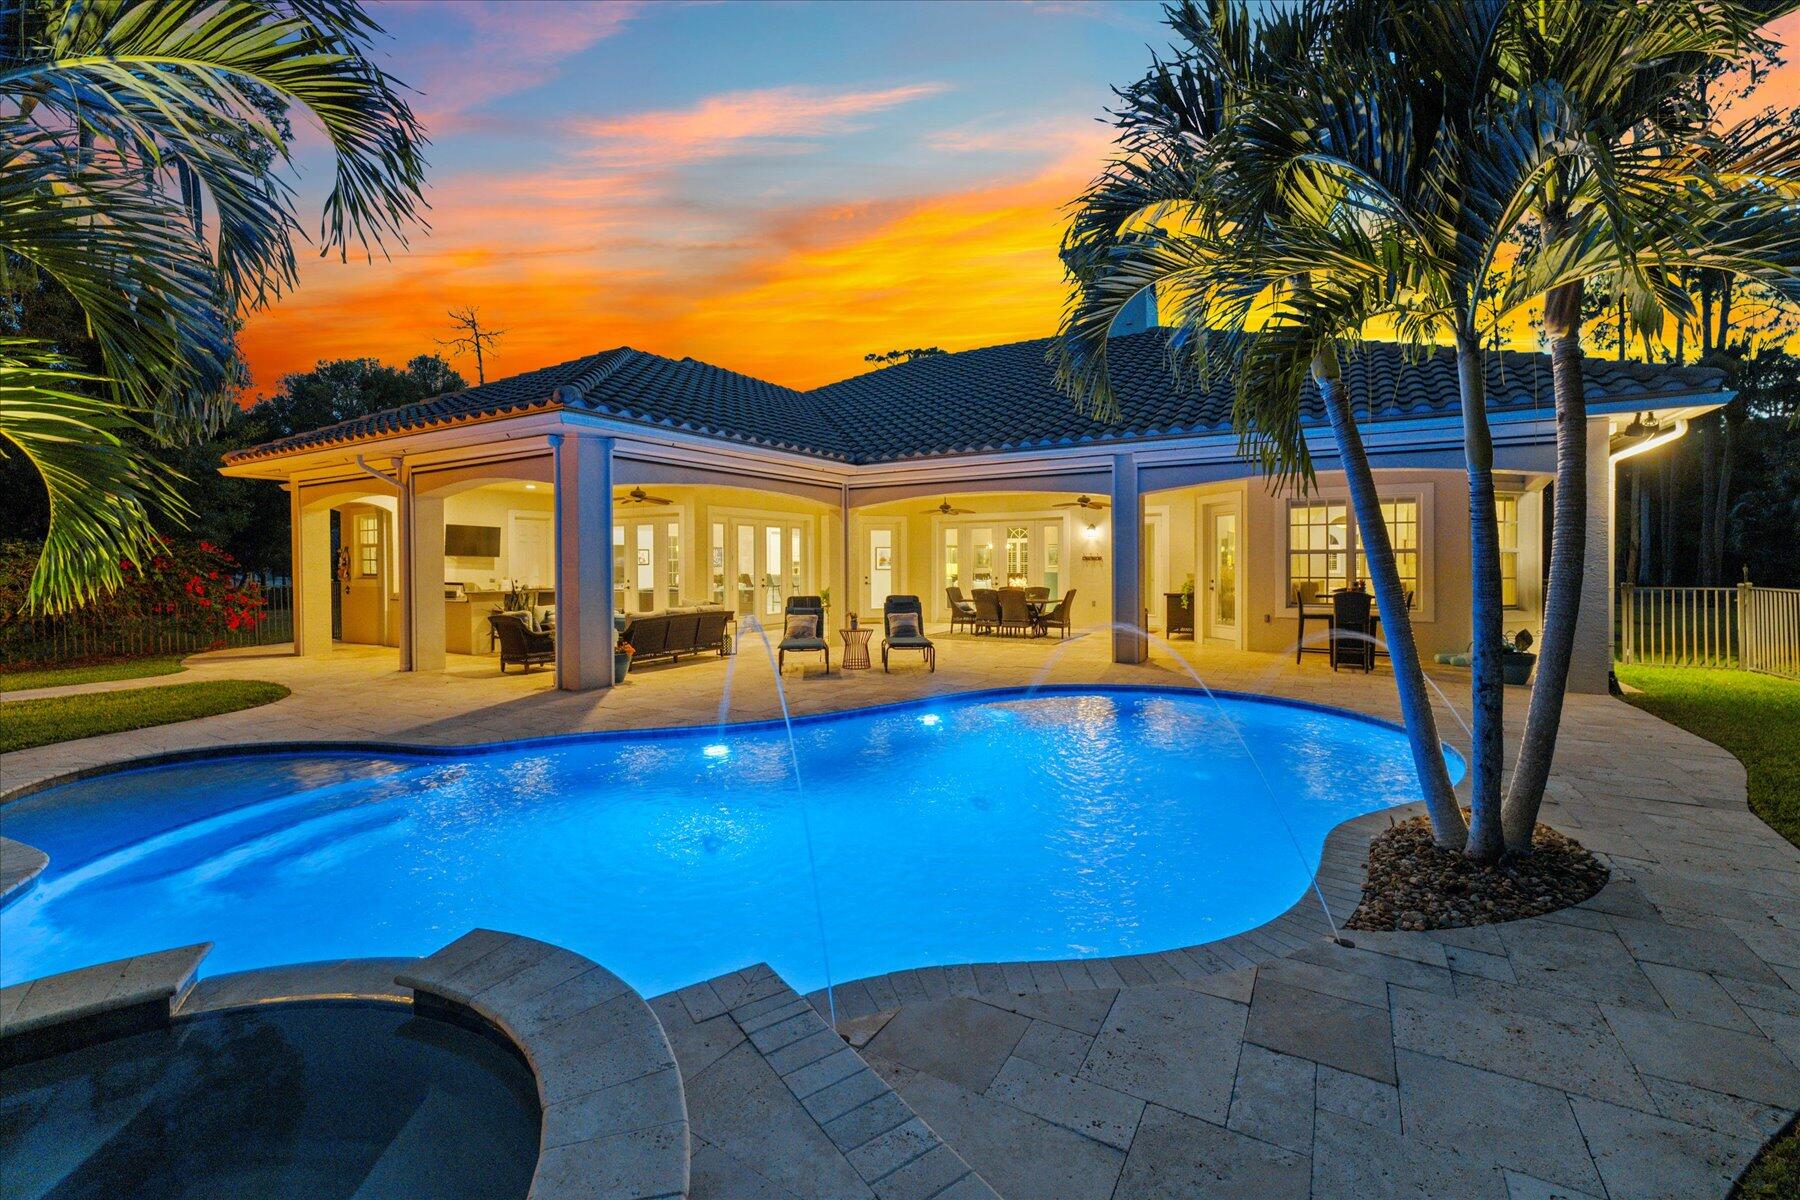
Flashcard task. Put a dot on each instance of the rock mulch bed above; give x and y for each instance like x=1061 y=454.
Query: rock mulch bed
x=1414 y=884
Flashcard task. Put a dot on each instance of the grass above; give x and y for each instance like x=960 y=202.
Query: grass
x=1757 y=718
x=28 y=723
x=125 y=668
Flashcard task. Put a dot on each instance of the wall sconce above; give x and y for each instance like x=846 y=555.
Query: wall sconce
x=1092 y=532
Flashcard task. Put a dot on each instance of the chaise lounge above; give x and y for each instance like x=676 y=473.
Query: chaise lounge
x=799 y=637
x=903 y=621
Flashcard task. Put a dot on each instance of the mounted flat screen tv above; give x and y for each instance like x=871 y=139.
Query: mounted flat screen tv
x=472 y=541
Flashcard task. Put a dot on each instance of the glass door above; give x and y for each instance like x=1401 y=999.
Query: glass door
x=646 y=564
x=769 y=564
x=881 y=569
x=1222 y=573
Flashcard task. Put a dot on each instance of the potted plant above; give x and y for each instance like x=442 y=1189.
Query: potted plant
x=622 y=660
x=825 y=604
x=1517 y=660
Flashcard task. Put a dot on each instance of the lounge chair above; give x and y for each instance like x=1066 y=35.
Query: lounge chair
x=518 y=644
x=962 y=611
x=1061 y=617
x=798 y=641
x=1015 y=614
x=987 y=610
x=903 y=623
x=1352 y=630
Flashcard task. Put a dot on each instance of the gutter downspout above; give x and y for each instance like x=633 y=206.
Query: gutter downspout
x=849 y=584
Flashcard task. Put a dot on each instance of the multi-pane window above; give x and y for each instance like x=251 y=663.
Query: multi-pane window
x=1018 y=556
x=952 y=575
x=368 y=545
x=1325 y=554
x=1318 y=548
x=1506 y=515
x=1053 y=559
x=1402 y=519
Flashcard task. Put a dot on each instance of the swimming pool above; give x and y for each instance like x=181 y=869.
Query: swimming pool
x=996 y=826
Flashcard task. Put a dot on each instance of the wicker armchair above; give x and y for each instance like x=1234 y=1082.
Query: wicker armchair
x=527 y=647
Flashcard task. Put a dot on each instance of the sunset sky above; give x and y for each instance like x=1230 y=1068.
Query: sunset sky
x=775 y=188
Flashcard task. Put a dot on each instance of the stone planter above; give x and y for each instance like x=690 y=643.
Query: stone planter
x=1515 y=666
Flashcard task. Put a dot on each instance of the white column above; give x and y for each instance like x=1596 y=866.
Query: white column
x=850 y=597
x=1590 y=658
x=313 y=575
x=423 y=601
x=1130 y=645
x=585 y=635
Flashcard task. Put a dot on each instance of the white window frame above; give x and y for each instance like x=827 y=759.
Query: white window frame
x=1423 y=494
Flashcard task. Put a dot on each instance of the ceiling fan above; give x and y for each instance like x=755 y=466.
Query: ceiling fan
x=949 y=510
x=1083 y=502
x=637 y=495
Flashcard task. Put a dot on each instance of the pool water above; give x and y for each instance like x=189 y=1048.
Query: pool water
x=324 y=1101
x=987 y=827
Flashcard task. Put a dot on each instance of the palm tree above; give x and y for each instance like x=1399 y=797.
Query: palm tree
x=121 y=123
x=1643 y=160
x=1178 y=211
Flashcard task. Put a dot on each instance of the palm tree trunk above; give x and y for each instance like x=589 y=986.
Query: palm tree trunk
x=1486 y=691
x=1447 y=825
x=1568 y=554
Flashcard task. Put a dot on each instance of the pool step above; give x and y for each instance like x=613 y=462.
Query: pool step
x=781 y=1108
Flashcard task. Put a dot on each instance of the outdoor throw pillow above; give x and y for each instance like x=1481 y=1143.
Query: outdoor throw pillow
x=903 y=625
x=802 y=626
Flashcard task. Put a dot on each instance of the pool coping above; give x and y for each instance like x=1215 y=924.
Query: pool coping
x=1338 y=877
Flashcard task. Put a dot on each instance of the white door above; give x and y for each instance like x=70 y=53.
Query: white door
x=528 y=557
x=1222 y=600
x=881 y=564
x=1156 y=566
x=646 y=563
x=768 y=564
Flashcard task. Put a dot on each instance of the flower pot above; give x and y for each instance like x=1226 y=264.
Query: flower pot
x=621 y=667
x=1515 y=667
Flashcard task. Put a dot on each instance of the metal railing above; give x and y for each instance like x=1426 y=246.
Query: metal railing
x=1753 y=628
x=1771 y=630
x=83 y=636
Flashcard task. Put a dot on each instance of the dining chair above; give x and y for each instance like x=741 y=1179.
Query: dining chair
x=987 y=610
x=1015 y=614
x=962 y=611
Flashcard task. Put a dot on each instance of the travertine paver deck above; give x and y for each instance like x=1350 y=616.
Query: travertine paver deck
x=1651 y=1036
x=782 y=1108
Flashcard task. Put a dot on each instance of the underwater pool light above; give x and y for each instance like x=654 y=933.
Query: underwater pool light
x=930 y=719
x=716 y=750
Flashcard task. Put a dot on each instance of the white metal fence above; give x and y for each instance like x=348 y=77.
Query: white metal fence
x=1771 y=630
x=1753 y=628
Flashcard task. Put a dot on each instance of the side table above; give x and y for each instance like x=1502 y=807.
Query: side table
x=856 y=647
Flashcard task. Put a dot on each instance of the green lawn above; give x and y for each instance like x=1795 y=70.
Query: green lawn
x=125 y=668
x=28 y=723
x=1757 y=718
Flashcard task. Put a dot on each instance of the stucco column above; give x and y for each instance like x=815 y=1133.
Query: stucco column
x=1590 y=658
x=585 y=634
x=422 y=549
x=313 y=577
x=849 y=594
x=1130 y=645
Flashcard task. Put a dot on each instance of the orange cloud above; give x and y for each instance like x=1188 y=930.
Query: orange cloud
x=726 y=123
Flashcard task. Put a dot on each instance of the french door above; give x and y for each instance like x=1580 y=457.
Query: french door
x=881 y=563
x=770 y=561
x=646 y=563
x=1002 y=552
x=1220 y=548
